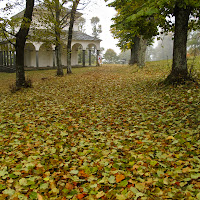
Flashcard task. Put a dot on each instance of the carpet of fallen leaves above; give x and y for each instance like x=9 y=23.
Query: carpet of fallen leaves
x=105 y=132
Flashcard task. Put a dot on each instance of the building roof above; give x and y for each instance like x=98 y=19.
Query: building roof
x=77 y=35
x=45 y=35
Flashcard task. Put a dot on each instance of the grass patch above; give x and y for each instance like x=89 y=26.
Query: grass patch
x=105 y=132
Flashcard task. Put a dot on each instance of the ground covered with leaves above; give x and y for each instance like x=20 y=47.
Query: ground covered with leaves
x=108 y=132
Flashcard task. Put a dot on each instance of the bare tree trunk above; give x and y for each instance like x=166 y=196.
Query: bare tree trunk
x=142 y=52
x=134 y=51
x=70 y=32
x=138 y=51
x=58 y=60
x=20 y=44
x=179 y=72
x=58 y=42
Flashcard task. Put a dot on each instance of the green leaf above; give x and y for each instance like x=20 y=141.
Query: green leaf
x=55 y=190
x=123 y=183
x=73 y=192
x=74 y=172
x=12 y=176
x=198 y=196
x=93 y=186
x=153 y=163
x=44 y=186
x=9 y=192
x=195 y=176
x=137 y=193
x=33 y=195
x=2 y=187
x=111 y=179
x=23 y=182
x=3 y=173
x=22 y=197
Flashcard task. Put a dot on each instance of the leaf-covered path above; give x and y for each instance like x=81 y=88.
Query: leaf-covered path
x=100 y=133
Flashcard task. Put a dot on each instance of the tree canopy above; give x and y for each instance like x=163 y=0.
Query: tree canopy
x=110 y=56
x=186 y=13
x=96 y=26
x=133 y=34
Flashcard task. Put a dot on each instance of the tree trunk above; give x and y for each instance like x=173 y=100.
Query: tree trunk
x=58 y=41
x=179 y=72
x=20 y=74
x=138 y=51
x=142 y=52
x=20 y=44
x=134 y=51
x=58 y=60
x=70 y=32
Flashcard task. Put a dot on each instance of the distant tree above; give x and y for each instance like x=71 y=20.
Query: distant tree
x=96 y=27
x=163 y=49
x=81 y=24
x=110 y=56
x=125 y=56
x=133 y=33
x=194 y=43
x=150 y=53
x=6 y=25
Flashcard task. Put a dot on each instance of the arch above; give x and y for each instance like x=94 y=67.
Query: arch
x=29 y=55
x=45 y=55
x=77 y=56
x=91 y=45
x=92 y=54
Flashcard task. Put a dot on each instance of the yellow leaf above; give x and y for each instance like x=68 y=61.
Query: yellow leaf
x=100 y=194
x=39 y=197
x=170 y=138
x=120 y=197
x=185 y=170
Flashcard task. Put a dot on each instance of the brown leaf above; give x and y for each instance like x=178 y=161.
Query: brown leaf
x=69 y=186
x=119 y=177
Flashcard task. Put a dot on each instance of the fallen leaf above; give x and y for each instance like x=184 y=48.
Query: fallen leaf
x=170 y=138
x=39 y=197
x=100 y=194
x=69 y=186
x=80 y=196
x=119 y=177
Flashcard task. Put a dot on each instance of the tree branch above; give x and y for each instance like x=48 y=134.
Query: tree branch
x=4 y=33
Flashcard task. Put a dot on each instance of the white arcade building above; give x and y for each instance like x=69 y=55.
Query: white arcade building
x=85 y=48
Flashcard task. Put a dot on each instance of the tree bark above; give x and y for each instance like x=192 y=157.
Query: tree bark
x=142 y=52
x=20 y=44
x=134 y=51
x=179 y=72
x=70 y=32
x=58 y=42
x=138 y=51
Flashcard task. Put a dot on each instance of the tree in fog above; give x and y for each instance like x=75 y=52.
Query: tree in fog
x=163 y=50
x=81 y=24
x=110 y=56
x=96 y=26
x=194 y=43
